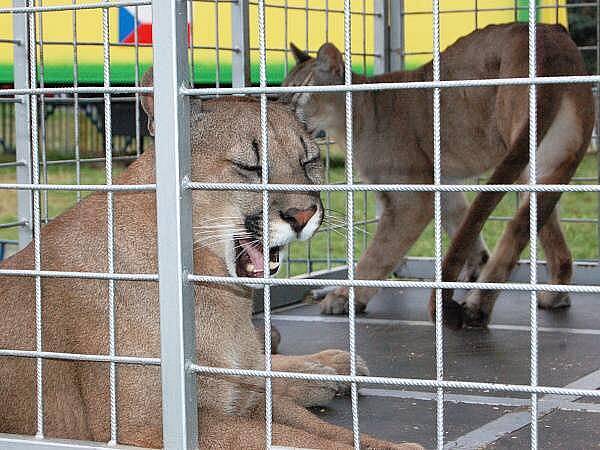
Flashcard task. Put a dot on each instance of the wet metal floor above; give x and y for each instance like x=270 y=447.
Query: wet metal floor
x=396 y=339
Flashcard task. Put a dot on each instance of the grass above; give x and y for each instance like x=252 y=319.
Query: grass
x=581 y=237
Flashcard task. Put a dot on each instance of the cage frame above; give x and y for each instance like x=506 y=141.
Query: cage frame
x=174 y=187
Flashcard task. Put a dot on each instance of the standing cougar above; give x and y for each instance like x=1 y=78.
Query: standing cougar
x=483 y=128
x=225 y=137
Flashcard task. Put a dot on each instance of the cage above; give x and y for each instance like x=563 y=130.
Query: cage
x=71 y=120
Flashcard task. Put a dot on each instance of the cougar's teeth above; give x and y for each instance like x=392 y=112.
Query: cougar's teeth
x=249 y=267
x=273 y=265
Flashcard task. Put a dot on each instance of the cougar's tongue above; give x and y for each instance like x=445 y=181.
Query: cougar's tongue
x=257 y=258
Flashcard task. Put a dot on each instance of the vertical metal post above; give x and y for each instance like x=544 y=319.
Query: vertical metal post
x=22 y=123
x=396 y=48
x=389 y=44
x=381 y=29
x=175 y=262
x=597 y=137
x=240 y=36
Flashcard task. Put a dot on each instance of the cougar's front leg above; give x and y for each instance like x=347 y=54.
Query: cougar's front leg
x=312 y=393
x=402 y=221
x=454 y=209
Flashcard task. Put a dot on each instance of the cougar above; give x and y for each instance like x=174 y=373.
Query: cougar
x=225 y=141
x=483 y=128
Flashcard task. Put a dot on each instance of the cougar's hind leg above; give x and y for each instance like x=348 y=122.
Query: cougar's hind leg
x=465 y=238
x=559 y=262
x=559 y=154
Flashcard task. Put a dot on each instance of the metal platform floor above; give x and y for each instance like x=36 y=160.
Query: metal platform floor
x=396 y=338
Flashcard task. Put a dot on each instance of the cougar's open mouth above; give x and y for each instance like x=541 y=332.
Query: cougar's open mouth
x=250 y=259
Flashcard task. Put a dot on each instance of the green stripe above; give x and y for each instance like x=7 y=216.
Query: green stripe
x=123 y=74
x=523 y=11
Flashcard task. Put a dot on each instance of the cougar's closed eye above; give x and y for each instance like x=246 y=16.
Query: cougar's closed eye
x=249 y=169
x=246 y=170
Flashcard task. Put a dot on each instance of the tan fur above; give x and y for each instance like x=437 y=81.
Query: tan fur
x=75 y=315
x=482 y=128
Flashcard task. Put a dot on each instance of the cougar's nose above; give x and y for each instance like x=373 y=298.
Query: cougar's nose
x=298 y=218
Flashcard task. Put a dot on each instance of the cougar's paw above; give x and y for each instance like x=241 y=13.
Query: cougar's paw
x=308 y=393
x=553 y=300
x=339 y=361
x=473 y=317
x=336 y=304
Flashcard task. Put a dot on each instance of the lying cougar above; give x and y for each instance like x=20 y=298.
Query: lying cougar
x=225 y=137
x=482 y=128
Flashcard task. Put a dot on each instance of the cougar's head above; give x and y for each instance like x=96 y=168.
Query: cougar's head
x=226 y=146
x=318 y=111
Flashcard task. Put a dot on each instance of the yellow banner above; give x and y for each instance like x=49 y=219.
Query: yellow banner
x=210 y=27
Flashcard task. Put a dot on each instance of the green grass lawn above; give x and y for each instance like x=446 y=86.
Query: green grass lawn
x=582 y=237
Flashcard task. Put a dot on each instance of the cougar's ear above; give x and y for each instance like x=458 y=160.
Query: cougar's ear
x=329 y=59
x=299 y=55
x=147 y=100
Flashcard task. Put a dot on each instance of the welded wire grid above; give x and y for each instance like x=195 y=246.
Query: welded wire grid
x=32 y=104
x=73 y=131
x=35 y=92
x=302 y=257
x=350 y=188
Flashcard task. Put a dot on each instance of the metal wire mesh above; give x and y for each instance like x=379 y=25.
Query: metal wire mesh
x=72 y=101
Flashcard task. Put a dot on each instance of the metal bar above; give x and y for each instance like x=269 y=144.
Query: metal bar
x=138 y=133
x=110 y=226
x=392 y=187
x=597 y=137
x=437 y=179
x=444 y=84
x=17 y=442
x=36 y=187
x=54 y=8
x=36 y=217
x=177 y=324
x=585 y=272
x=42 y=106
x=217 y=46
x=396 y=46
x=240 y=36
x=521 y=287
x=349 y=131
x=23 y=125
x=80 y=90
x=381 y=28
x=82 y=275
x=80 y=357
x=13 y=225
x=397 y=381
x=76 y=128
x=265 y=224
x=533 y=233
x=192 y=50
